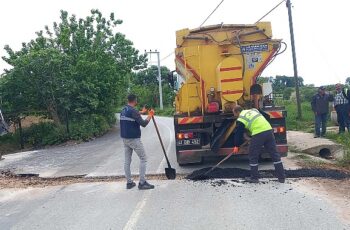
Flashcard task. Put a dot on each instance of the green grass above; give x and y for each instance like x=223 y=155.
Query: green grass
x=344 y=140
x=293 y=123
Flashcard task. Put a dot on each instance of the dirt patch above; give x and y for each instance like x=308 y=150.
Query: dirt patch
x=227 y=173
x=28 y=121
x=10 y=180
x=337 y=193
x=327 y=165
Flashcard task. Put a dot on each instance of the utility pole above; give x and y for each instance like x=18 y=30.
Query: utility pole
x=289 y=6
x=159 y=78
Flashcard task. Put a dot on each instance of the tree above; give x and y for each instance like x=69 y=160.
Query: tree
x=78 y=68
x=145 y=84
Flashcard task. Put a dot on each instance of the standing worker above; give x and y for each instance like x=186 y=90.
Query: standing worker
x=130 y=122
x=320 y=107
x=262 y=135
x=346 y=93
x=342 y=108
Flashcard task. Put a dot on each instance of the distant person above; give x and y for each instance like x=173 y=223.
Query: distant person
x=320 y=107
x=346 y=93
x=130 y=122
x=341 y=106
x=262 y=136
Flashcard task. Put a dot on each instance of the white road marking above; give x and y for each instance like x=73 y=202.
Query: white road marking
x=130 y=225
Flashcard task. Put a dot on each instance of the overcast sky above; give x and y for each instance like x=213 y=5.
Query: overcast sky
x=321 y=27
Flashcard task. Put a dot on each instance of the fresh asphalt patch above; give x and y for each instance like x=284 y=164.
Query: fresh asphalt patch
x=237 y=173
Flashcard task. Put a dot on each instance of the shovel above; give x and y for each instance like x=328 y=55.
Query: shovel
x=204 y=175
x=170 y=173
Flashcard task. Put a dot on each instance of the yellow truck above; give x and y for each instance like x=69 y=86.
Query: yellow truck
x=217 y=68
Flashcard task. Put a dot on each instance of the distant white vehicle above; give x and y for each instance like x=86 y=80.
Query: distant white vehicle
x=3 y=125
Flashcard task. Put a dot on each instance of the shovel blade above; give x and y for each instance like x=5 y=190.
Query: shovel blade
x=170 y=173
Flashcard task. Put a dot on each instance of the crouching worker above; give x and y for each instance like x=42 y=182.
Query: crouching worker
x=130 y=122
x=262 y=136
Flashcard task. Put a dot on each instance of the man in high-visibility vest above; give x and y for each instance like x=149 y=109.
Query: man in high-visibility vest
x=262 y=136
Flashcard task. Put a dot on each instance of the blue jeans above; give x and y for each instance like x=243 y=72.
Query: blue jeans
x=320 y=124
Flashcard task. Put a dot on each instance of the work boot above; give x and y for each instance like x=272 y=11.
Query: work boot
x=280 y=172
x=145 y=185
x=254 y=175
x=130 y=185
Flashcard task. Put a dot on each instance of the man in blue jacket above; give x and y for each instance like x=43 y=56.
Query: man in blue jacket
x=320 y=107
x=130 y=122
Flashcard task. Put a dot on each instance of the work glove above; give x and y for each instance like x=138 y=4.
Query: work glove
x=235 y=150
x=151 y=112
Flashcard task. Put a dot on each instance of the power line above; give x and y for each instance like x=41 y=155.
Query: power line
x=167 y=56
x=212 y=12
x=270 y=11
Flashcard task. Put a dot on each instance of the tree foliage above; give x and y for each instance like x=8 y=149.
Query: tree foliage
x=145 y=84
x=78 y=68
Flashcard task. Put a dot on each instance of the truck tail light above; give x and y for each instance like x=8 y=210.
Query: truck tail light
x=181 y=136
x=213 y=107
x=279 y=129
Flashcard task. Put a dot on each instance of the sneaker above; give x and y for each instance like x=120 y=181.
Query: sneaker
x=251 y=180
x=316 y=136
x=281 y=180
x=130 y=185
x=145 y=185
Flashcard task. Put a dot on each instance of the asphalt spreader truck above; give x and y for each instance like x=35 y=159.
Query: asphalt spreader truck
x=217 y=67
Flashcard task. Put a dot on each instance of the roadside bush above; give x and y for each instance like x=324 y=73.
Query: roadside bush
x=9 y=138
x=44 y=133
x=306 y=93
x=89 y=127
x=167 y=112
x=48 y=133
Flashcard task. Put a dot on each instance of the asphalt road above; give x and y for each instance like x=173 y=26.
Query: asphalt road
x=172 y=205
x=179 y=204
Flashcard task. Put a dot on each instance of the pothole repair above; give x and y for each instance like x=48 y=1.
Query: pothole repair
x=232 y=173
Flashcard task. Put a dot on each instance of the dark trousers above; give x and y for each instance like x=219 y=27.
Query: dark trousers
x=320 y=124
x=343 y=117
x=267 y=140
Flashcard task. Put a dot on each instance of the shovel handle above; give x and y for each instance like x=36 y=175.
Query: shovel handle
x=161 y=141
x=218 y=164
